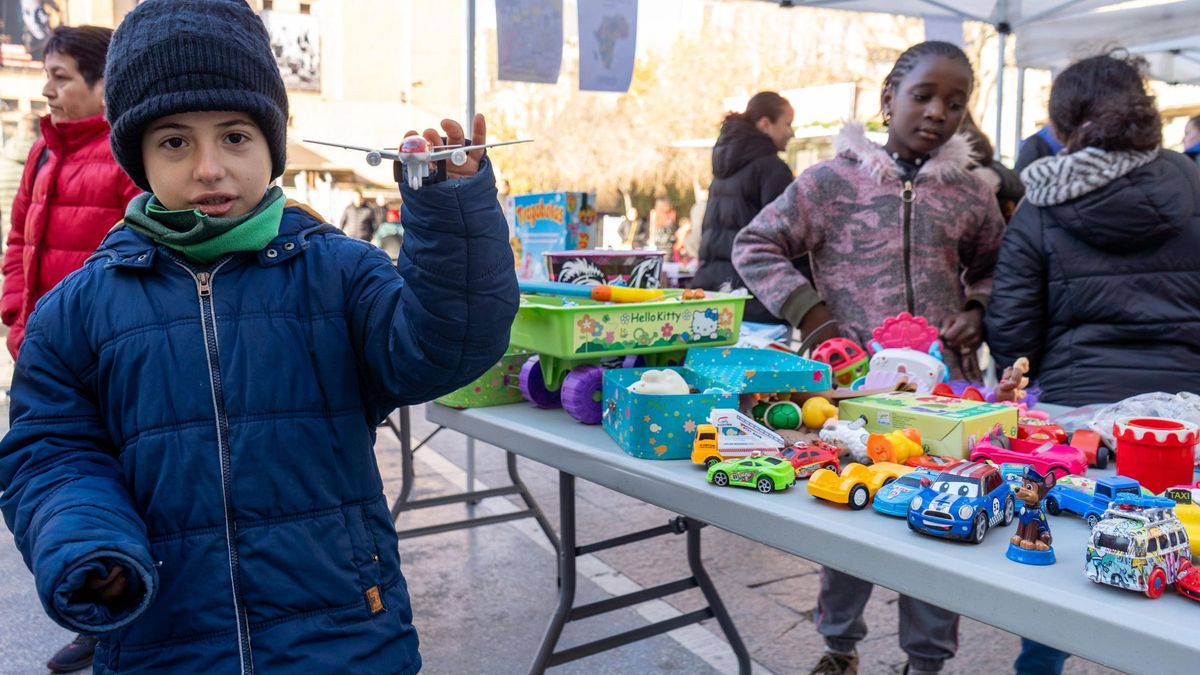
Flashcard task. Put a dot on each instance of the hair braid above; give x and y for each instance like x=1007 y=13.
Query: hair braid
x=909 y=58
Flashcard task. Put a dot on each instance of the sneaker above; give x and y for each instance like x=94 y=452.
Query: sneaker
x=75 y=656
x=835 y=664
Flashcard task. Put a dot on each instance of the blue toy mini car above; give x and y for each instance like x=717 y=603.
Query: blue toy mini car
x=893 y=498
x=962 y=503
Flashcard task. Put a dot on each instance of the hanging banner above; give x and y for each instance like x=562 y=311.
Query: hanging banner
x=529 y=40
x=607 y=44
x=944 y=28
x=25 y=27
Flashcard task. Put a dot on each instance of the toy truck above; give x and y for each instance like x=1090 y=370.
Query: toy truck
x=1087 y=498
x=730 y=434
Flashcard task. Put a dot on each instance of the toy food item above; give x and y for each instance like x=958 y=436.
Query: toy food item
x=895 y=446
x=816 y=411
x=1155 y=451
x=693 y=294
x=849 y=436
x=667 y=382
x=845 y=358
x=1031 y=543
x=783 y=415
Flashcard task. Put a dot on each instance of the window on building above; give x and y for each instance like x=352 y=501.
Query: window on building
x=306 y=8
x=268 y=5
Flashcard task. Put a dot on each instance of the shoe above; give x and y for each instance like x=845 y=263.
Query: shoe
x=75 y=656
x=835 y=664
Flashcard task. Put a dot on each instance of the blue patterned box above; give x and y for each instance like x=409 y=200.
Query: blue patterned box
x=651 y=426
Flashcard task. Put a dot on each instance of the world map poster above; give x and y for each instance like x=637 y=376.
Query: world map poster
x=607 y=44
x=529 y=40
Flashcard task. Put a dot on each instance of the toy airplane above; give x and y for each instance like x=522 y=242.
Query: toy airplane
x=416 y=154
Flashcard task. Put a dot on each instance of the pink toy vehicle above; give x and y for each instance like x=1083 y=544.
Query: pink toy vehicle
x=1045 y=457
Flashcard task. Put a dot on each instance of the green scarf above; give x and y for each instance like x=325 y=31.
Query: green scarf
x=206 y=238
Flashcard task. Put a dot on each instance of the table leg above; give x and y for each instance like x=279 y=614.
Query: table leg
x=566 y=572
x=471 y=467
x=714 y=599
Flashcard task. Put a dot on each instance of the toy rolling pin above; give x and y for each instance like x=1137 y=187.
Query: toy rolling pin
x=601 y=293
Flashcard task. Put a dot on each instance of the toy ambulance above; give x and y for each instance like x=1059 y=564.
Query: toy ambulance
x=730 y=434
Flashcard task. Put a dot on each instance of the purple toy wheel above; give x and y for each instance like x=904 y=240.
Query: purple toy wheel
x=581 y=394
x=633 y=361
x=533 y=386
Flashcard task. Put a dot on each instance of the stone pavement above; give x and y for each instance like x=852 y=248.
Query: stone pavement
x=482 y=597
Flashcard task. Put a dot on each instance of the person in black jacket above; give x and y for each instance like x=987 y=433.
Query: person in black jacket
x=1042 y=144
x=747 y=175
x=1098 y=281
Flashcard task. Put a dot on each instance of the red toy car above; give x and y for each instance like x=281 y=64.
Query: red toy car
x=1187 y=583
x=933 y=462
x=1033 y=429
x=808 y=456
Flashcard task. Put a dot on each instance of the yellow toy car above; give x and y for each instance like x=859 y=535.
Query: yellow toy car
x=857 y=483
x=1187 y=509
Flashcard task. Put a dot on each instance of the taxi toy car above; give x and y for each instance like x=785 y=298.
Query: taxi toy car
x=856 y=484
x=765 y=473
x=893 y=498
x=1187 y=509
x=962 y=503
x=808 y=456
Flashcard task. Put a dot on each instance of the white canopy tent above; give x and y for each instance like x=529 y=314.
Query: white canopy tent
x=1167 y=34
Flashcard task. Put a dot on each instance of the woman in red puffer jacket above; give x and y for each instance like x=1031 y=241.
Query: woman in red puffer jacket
x=72 y=191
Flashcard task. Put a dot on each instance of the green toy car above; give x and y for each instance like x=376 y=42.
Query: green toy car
x=765 y=473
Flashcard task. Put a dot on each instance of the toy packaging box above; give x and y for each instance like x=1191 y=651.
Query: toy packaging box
x=497 y=386
x=551 y=221
x=948 y=426
x=652 y=426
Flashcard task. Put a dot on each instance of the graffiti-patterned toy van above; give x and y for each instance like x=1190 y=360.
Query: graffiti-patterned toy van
x=1139 y=545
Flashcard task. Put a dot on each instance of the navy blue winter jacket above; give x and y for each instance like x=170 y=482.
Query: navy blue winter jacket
x=1102 y=292
x=210 y=429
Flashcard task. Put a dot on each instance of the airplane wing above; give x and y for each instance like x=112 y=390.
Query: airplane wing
x=444 y=154
x=382 y=153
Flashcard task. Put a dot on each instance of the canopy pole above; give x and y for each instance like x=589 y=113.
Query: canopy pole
x=468 y=124
x=1003 y=37
x=1020 y=134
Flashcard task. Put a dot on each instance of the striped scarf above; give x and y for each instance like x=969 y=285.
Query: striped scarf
x=1061 y=178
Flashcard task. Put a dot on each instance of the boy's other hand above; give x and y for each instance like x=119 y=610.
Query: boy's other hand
x=455 y=136
x=104 y=589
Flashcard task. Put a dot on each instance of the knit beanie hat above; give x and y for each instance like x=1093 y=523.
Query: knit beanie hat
x=174 y=56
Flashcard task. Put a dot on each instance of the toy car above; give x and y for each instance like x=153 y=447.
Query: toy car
x=761 y=472
x=1047 y=457
x=730 y=434
x=1187 y=509
x=1088 y=441
x=1088 y=498
x=1034 y=429
x=1187 y=583
x=893 y=498
x=856 y=484
x=934 y=463
x=808 y=456
x=962 y=503
x=1138 y=545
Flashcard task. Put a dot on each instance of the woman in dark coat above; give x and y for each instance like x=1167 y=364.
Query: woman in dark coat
x=747 y=175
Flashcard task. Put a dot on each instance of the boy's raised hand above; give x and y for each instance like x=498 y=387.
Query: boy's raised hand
x=455 y=136
x=104 y=590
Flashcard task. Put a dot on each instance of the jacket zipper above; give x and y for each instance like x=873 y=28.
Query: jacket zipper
x=208 y=323
x=908 y=196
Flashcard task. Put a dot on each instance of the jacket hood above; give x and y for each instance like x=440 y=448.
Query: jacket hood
x=739 y=144
x=950 y=162
x=1143 y=208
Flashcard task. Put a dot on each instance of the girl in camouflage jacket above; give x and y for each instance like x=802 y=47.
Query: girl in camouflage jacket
x=901 y=227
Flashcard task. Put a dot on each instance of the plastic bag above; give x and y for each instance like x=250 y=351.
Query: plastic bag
x=1182 y=406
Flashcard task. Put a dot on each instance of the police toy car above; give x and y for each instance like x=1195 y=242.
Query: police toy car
x=962 y=503
x=893 y=498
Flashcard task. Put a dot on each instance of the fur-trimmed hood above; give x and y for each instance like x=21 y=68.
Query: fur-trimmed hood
x=951 y=161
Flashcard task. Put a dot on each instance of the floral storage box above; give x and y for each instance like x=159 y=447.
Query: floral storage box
x=654 y=426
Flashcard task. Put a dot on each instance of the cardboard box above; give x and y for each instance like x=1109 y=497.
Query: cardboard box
x=948 y=426
x=551 y=221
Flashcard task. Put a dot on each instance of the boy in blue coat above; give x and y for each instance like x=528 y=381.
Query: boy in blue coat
x=189 y=471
